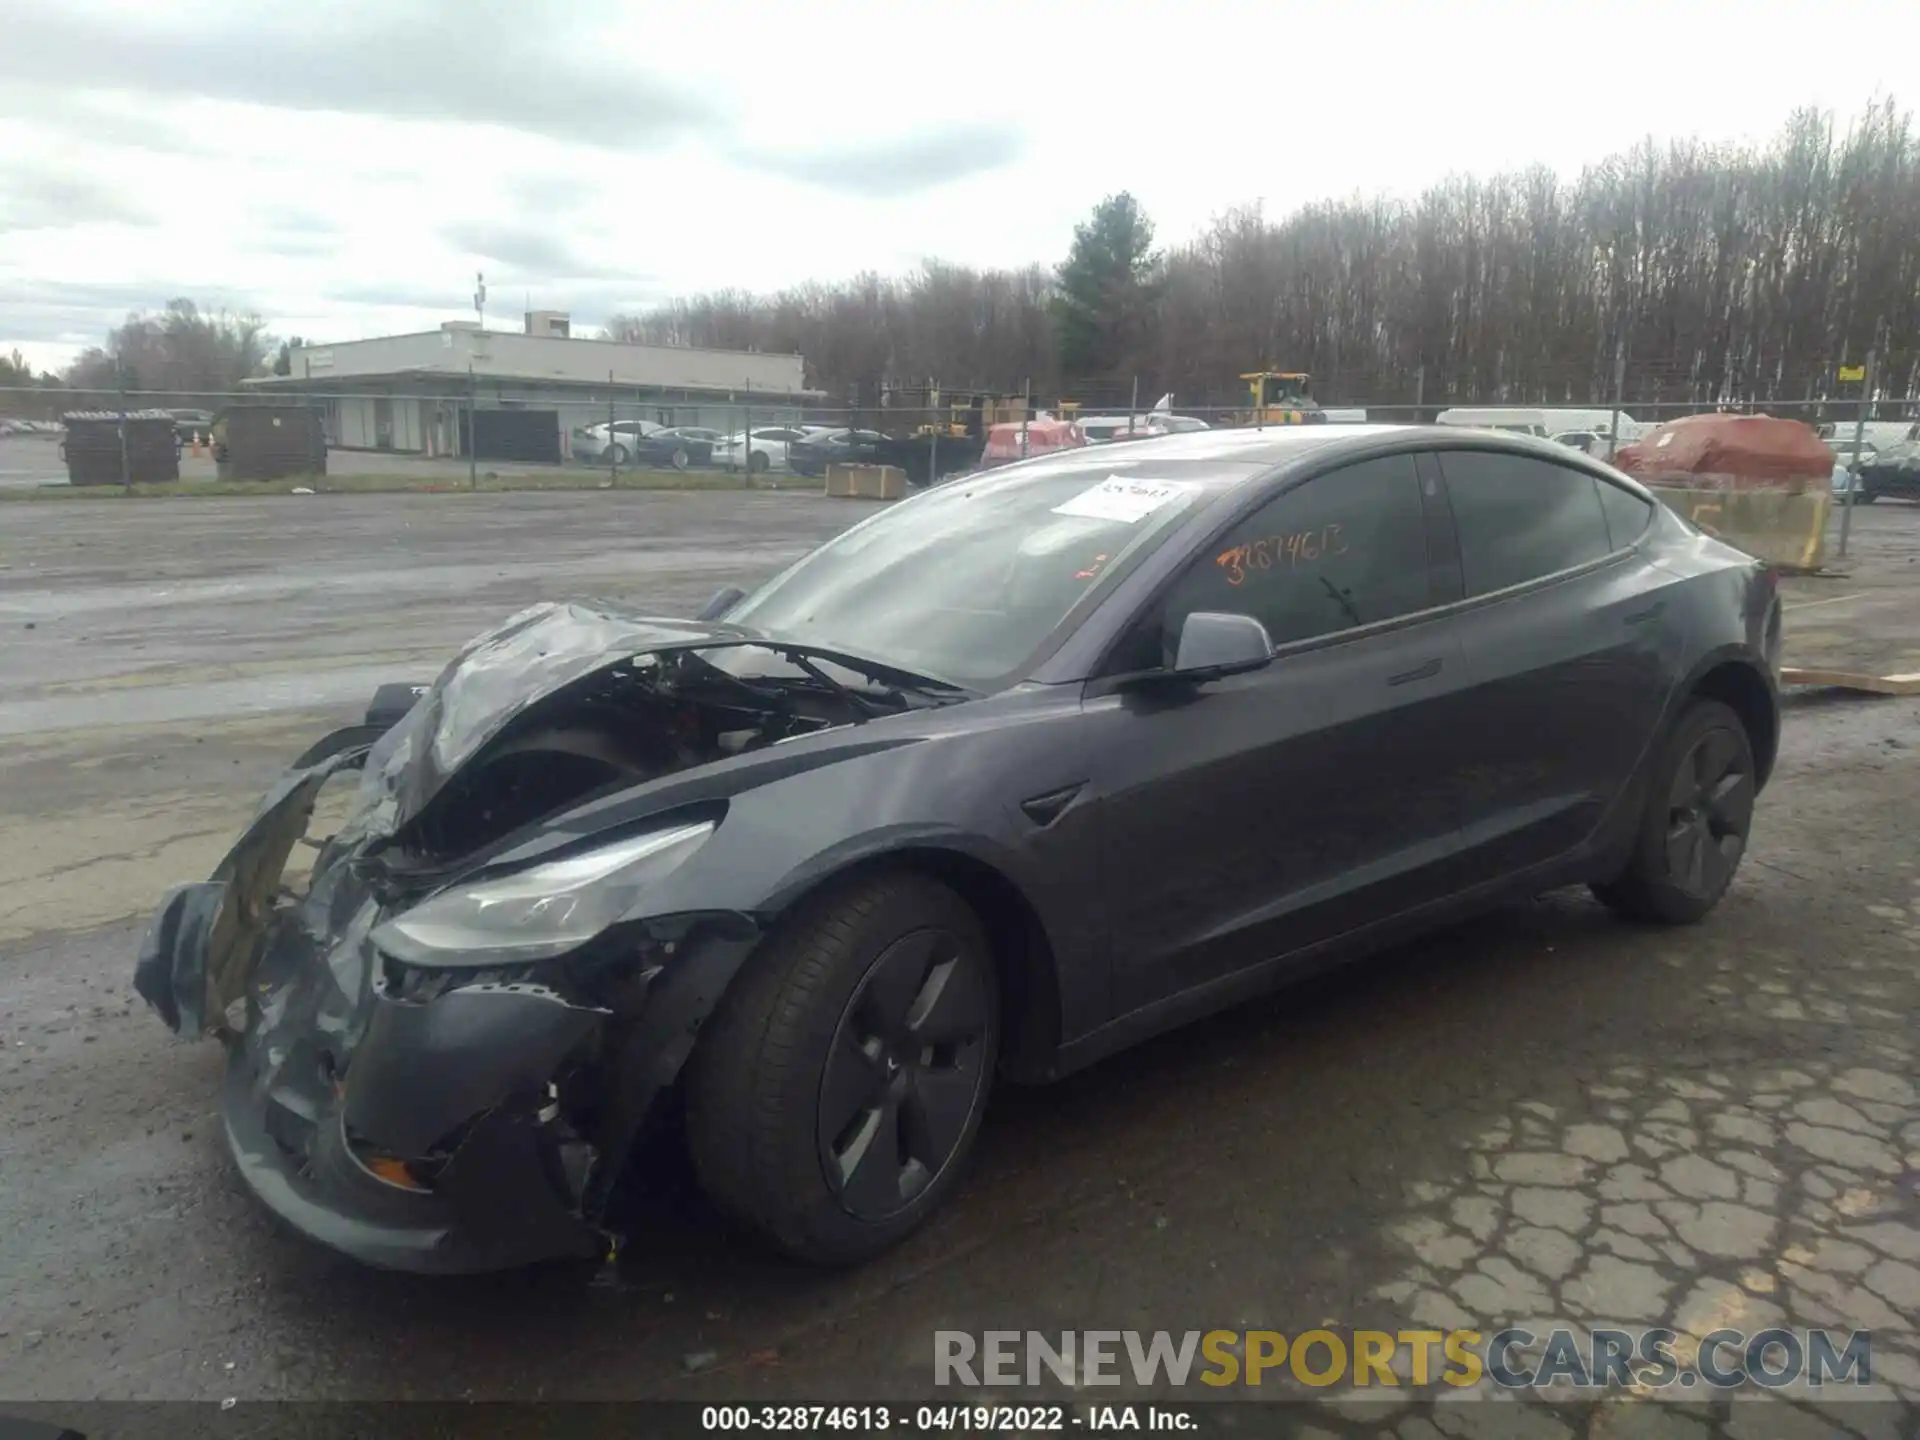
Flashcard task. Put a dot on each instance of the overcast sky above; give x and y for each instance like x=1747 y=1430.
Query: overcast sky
x=344 y=168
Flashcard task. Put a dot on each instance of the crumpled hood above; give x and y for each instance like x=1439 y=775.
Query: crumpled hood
x=494 y=678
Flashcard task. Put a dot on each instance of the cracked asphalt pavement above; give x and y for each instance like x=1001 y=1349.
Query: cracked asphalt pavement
x=1545 y=1118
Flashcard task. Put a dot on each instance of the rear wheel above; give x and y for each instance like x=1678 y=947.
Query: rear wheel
x=837 y=1091
x=1697 y=819
x=618 y=455
x=758 y=463
x=680 y=460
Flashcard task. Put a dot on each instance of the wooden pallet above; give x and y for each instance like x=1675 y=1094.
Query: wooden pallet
x=1850 y=680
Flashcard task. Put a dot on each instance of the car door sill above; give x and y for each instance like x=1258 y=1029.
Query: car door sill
x=1283 y=970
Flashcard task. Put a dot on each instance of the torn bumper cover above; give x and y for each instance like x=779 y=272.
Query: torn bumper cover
x=466 y=1115
x=409 y=1134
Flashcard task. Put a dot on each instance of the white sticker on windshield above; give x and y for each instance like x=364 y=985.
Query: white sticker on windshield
x=1122 y=499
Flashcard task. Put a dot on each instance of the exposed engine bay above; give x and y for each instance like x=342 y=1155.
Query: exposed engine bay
x=647 y=717
x=474 y=1105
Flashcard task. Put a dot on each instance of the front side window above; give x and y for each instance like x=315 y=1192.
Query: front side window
x=1347 y=548
x=1519 y=519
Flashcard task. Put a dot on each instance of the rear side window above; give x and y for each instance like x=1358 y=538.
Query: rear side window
x=1519 y=519
x=1627 y=514
x=1347 y=548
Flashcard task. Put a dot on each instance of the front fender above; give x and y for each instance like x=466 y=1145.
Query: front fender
x=878 y=845
x=387 y=709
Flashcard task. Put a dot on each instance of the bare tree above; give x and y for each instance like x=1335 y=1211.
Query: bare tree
x=1719 y=274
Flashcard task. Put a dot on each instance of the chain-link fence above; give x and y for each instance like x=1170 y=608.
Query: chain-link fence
x=466 y=430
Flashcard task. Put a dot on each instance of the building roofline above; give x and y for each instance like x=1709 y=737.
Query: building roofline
x=563 y=339
x=324 y=384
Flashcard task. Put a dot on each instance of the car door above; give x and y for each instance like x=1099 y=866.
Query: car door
x=1257 y=815
x=1569 y=646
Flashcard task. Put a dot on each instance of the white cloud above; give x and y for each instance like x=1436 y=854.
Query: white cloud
x=345 y=169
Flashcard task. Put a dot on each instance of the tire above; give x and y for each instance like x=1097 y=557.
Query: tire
x=758 y=463
x=618 y=455
x=680 y=460
x=1695 y=829
x=1864 y=496
x=814 y=1063
x=329 y=746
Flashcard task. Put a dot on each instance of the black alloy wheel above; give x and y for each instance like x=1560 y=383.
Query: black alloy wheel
x=839 y=1086
x=1709 y=811
x=1694 y=829
x=904 y=1073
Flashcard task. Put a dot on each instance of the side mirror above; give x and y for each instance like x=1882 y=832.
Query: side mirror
x=1214 y=643
x=722 y=602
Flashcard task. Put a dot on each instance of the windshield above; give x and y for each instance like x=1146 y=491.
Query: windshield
x=967 y=581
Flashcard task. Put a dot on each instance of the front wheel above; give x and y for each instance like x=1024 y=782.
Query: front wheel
x=329 y=746
x=837 y=1091
x=680 y=460
x=758 y=463
x=1694 y=832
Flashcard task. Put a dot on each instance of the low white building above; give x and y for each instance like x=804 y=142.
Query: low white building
x=410 y=393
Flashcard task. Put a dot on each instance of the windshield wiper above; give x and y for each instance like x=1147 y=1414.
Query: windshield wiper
x=860 y=704
x=887 y=676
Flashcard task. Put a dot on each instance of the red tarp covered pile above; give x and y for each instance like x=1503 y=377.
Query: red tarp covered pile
x=1003 y=441
x=1732 y=452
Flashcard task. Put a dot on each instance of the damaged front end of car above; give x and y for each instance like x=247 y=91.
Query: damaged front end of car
x=445 y=1047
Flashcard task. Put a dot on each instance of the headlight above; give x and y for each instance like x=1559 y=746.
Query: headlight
x=537 y=913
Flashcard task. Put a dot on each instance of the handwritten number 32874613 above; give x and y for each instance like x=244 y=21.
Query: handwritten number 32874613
x=1281 y=550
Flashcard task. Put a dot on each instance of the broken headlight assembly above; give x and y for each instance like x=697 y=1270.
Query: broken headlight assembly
x=538 y=913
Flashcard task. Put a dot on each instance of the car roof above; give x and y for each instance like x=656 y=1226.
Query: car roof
x=1247 y=455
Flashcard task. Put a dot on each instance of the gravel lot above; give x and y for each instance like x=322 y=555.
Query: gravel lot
x=1543 y=1115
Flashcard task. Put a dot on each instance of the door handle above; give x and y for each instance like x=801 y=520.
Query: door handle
x=1652 y=612
x=1423 y=672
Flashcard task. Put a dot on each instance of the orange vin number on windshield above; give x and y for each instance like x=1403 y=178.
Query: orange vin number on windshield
x=1282 y=550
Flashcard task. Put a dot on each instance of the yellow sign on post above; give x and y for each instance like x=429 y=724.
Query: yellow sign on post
x=1853 y=372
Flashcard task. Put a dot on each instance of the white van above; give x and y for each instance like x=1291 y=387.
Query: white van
x=1524 y=422
x=1878 y=433
x=1600 y=422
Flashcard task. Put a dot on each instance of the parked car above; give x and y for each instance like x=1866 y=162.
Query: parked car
x=1001 y=780
x=812 y=454
x=678 y=447
x=1513 y=422
x=1177 y=424
x=1882 y=434
x=1587 y=442
x=1893 y=471
x=1107 y=429
x=1012 y=441
x=613 y=442
x=1846 y=453
x=767 y=449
